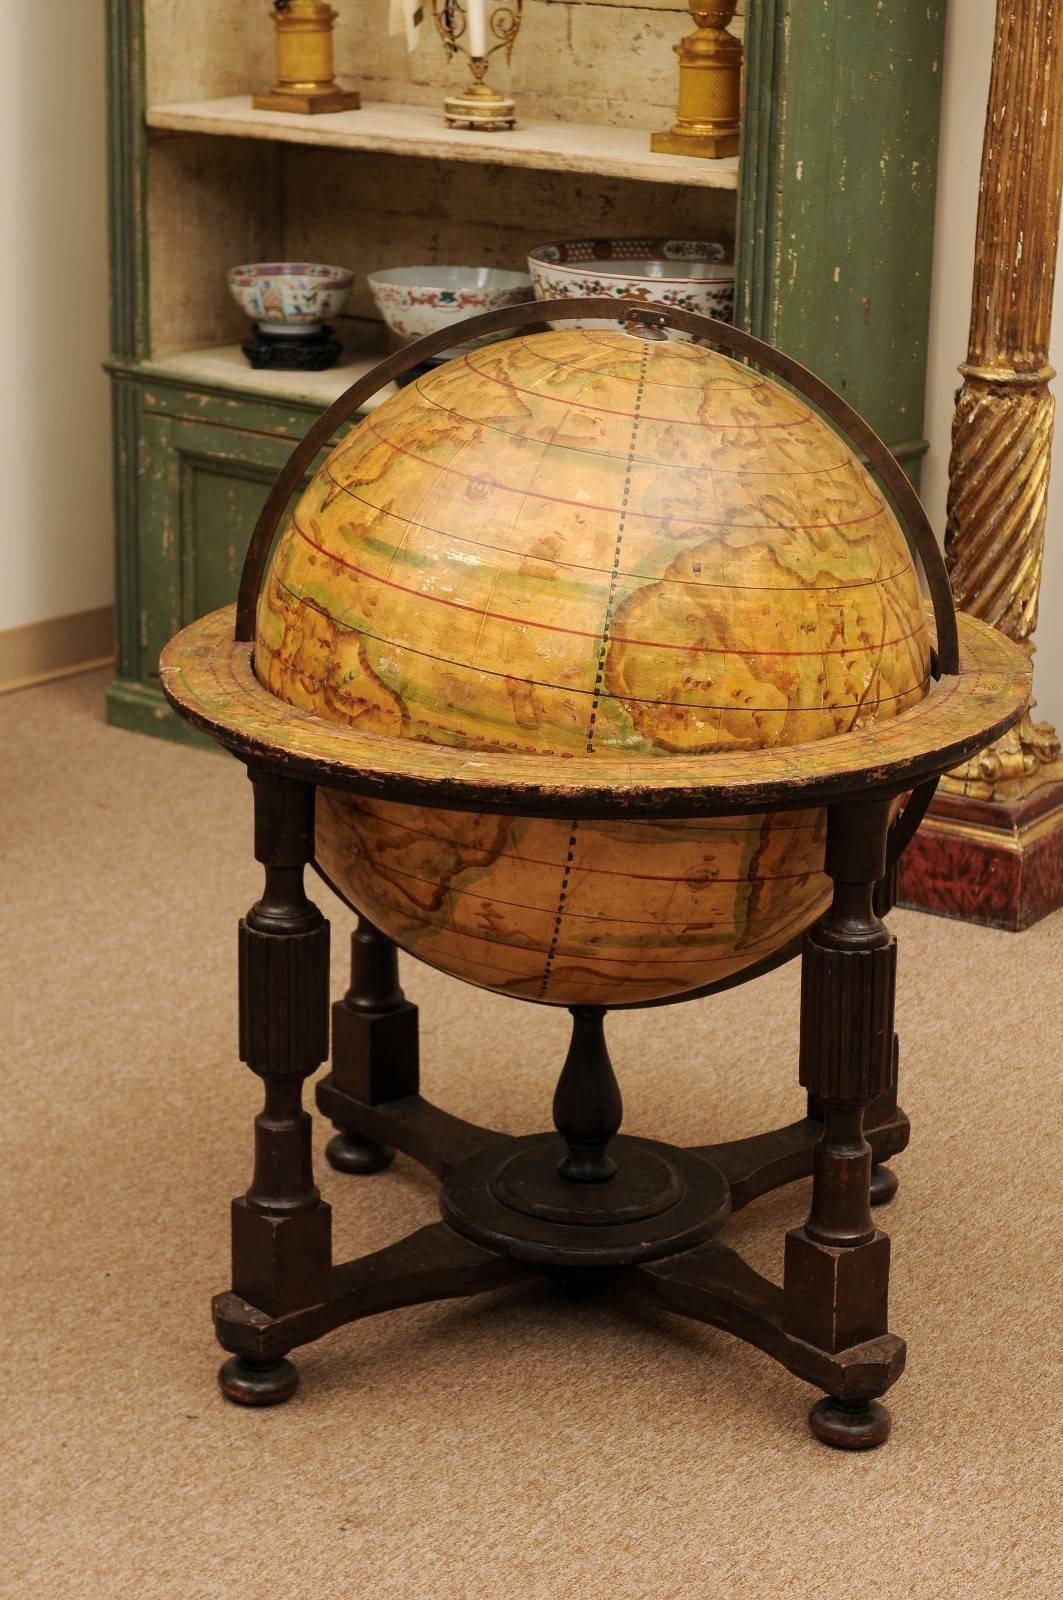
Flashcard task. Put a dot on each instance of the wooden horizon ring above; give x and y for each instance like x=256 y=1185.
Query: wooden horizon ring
x=707 y=329
x=208 y=676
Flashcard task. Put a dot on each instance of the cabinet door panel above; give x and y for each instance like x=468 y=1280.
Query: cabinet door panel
x=202 y=488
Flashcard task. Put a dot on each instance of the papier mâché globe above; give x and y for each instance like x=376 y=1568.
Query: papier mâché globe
x=577 y=543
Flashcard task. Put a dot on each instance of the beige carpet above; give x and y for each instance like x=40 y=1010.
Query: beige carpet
x=520 y=1446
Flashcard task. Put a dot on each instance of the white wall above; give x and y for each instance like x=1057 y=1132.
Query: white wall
x=56 y=525
x=968 y=52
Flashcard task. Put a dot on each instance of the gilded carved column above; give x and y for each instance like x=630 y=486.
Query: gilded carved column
x=1002 y=431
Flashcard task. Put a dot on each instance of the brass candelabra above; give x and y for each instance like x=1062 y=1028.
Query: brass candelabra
x=467 y=29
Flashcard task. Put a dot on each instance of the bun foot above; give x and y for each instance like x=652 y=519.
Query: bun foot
x=850 y=1424
x=884 y=1185
x=349 y=1152
x=258 y=1383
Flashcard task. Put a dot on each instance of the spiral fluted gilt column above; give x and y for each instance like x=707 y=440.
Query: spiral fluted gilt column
x=1002 y=430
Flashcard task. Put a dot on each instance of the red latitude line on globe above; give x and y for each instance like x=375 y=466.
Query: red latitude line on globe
x=625 y=572
x=613 y=511
x=678 y=422
x=385 y=869
x=561 y=688
x=568 y=955
x=584 y=633
x=642 y=461
x=573 y=366
x=599 y=872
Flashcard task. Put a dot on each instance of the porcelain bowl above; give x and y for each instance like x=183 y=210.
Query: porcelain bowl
x=289 y=297
x=414 y=301
x=690 y=274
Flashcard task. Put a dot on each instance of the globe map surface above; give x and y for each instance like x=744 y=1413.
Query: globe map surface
x=579 y=543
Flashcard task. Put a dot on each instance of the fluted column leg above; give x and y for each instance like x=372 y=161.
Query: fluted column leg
x=281 y=1228
x=837 y=1265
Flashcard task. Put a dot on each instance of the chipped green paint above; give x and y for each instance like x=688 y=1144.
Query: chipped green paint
x=837 y=189
x=127 y=160
x=204 y=464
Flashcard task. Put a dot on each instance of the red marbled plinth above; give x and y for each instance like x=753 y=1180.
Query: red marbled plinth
x=983 y=861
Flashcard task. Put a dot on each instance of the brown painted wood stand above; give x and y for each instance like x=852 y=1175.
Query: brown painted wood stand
x=581 y=1199
x=584 y=1199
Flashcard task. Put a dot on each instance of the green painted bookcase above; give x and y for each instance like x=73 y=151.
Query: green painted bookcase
x=830 y=204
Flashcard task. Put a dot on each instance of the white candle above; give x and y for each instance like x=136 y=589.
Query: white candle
x=474 y=10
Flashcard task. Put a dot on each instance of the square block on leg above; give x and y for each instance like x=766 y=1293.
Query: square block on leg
x=282 y=1264
x=835 y=1298
x=375 y=1056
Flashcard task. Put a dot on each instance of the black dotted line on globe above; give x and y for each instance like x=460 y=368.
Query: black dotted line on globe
x=614 y=576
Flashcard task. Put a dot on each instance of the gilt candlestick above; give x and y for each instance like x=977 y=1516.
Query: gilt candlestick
x=304 y=61
x=710 y=78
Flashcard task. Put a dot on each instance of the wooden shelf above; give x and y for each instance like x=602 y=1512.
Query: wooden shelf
x=226 y=367
x=406 y=130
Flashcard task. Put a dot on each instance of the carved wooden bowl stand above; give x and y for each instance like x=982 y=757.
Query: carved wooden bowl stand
x=584 y=1200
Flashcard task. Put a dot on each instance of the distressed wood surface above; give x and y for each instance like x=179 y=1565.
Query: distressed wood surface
x=223 y=369
x=412 y=130
x=207 y=48
x=192 y=184
x=557 y=67
x=836 y=212
x=126 y=175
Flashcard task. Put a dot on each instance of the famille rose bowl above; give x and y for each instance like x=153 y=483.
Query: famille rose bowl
x=289 y=297
x=689 y=274
x=415 y=301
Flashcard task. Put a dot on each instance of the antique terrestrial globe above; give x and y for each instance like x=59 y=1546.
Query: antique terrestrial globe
x=592 y=667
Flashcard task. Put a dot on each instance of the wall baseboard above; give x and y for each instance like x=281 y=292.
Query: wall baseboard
x=55 y=648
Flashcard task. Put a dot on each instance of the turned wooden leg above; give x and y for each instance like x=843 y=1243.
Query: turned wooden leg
x=374 y=1046
x=884 y=1181
x=836 y=1273
x=281 y=1228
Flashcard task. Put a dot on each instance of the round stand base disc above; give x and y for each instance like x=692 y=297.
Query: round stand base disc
x=645 y=1184
x=662 y=1200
